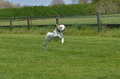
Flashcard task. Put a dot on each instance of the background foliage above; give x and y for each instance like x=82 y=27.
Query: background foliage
x=82 y=8
x=48 y=10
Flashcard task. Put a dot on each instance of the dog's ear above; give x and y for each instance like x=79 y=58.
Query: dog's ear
x=57 y=25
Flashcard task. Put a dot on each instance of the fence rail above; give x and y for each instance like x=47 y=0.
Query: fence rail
x=92 y=20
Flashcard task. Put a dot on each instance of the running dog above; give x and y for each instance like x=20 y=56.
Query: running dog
x=55 y=35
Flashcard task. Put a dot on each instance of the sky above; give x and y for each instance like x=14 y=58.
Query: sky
x=36 y=2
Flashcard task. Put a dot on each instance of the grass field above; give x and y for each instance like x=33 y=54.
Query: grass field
x=80 y=57
x=75 y=30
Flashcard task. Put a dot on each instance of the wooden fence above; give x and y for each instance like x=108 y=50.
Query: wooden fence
x=29 y=24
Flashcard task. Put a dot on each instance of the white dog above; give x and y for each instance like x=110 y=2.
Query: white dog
x=55 y=35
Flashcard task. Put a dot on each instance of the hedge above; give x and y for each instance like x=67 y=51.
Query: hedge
x=48 y=11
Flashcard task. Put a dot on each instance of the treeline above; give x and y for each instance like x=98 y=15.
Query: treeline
x=48 y=11
x=83 y=8
x=107 y=6
x=7 y=4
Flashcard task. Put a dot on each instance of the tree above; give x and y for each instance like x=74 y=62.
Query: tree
x=74 y=1
x=95 y=1
x=83 y=1
x=7 y=4
x=1 y=3
x=57 y=2
x=108 y=6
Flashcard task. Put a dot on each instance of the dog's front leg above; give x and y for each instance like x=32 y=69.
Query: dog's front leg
x=62 y=40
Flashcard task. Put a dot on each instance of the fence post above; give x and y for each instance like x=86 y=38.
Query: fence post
x=57 y=22
x=98 y=20
x=28 y=23
x=10 y=24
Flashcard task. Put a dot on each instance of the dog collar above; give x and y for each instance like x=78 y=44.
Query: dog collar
x=58 y=30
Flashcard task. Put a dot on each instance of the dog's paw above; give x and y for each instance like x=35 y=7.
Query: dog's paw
x=62 y=40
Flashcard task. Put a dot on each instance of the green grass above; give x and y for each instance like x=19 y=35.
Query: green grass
x=75 y=30
x=80 y=57
x=86 y=53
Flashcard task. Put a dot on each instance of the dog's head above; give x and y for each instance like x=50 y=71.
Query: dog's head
x=60 y=28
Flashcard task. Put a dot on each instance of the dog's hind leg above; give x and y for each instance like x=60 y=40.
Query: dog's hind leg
x=44 y=48
x=45 y=44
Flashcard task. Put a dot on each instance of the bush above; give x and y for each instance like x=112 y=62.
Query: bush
x=44 y=11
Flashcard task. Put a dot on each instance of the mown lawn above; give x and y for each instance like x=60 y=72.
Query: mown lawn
x=22 y=57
